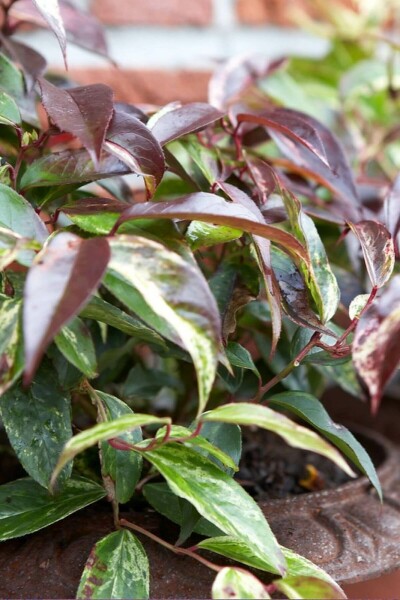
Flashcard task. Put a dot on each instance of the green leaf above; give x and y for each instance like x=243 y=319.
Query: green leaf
x=75 y=343
x=237 y=583
x=201 y=235
x=218 y=498
x=11 y=78
x=26 y=507
x=298 y=566
x=319 y=276
x=177 y=291
x=11 y=345
x=164 y=501
x=245 y=413
x=18 y=215
x=241 y=357
x=38 y=423
x=9 y=112
x=100 y=433
x=228 y=438
x=123 y=467
x=307 y=588
x=309 y=408
x=100 y=310
x=316 y=356
x=117 y=567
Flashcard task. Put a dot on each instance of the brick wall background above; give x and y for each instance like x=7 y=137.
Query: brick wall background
x=166 y=49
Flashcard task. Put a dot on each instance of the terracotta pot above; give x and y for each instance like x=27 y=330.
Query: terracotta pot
x=346 y=531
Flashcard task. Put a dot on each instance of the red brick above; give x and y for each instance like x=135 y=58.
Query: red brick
x=260 y=12
x=149 y=87
x=153 y=12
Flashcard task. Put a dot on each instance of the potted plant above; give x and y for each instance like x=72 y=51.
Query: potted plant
x=114 y=303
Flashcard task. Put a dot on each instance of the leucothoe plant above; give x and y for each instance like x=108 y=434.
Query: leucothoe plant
x=158 y=321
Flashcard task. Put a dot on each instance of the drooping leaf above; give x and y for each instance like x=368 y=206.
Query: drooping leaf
x=376 y=352
x=117 y=567
x=102 y=432
x=70 y=268
x=298 y=566
x=232 y=582
x=19 y=216
x=38 y=424
x=183 y=299
x=11 y=348
x=100 y=310
x=183 y=120
x=31 y=62
x=310 y=409
x=308 y=588
x=50 y=11
x=25 y=507
x=218 y=498
x=246 y=413
x=123 y=467
x=75 y=342
x=164 y=501
x=317 y=273
x=85 y=112
x=211 y=208
x=9 y=111
x=377 y=246
x=65 y=171
x=134 y=144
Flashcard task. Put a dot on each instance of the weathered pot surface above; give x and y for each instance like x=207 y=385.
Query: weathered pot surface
x=346 y=531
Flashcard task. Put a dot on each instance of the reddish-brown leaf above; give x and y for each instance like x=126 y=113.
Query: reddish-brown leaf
x=69 y=269
x=183 y=120
x=85 y=112
x=211 y=208
x=31 y=62
x=377 y=246
x=262 y=175
x=50 y=11
x=134 y=144
x=376 y=348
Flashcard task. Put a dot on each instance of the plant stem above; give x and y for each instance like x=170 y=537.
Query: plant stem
x=354 y=322
x=175 y=549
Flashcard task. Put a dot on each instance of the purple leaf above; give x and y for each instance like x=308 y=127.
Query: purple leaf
x=85 y=112
x=392 y=213
x=93 y=206
x=134 y=144
x=377 y=246
x=70 y=269
x=50 y=11
x=32 y=63
x=82 y=29
x=376 y=348
x=262 y=175
x=292 y=124
x=263 y=247
x=183 y=120
x=211 y=208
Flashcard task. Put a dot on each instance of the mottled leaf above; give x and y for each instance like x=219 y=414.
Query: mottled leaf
x=117 y=567
x=70 y=268
x=85 y=112
x=100 y=310
x=50 y=11
x=75 y=343
x=134 y=144
x=377 y=246
x=308 y=588
x=102 y=432
x=11 y=348
x=310 y=409
x=245 y=413
x=218 y=498
x=19 y=216
x=232 y=582
x=211 y=208
x=357 y=305
x=123 y=467
x=38 y=424
x=183 y=120
x=178 y=292
x=25 y=507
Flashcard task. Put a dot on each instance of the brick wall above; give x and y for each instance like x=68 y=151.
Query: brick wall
x=166 y=49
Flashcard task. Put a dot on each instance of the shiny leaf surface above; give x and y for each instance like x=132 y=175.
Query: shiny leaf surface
x=237 y=583
x=378 y=251
x=183 y=120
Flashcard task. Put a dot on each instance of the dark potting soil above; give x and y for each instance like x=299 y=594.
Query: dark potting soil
x=270 y=469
